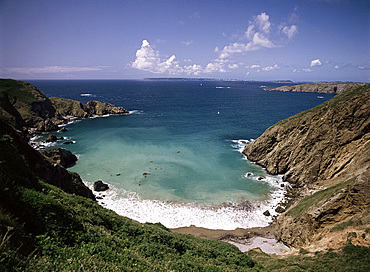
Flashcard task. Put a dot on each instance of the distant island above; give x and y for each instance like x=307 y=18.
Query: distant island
x=319 y=87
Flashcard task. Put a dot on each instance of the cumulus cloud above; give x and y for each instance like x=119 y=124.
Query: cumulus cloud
x=215 y=67
x=290 y=31
x=233 y=66
x=257 y=32
x=255 y=66
x=270 y=68
x=194 y=69
x=308 y=70
x=315 y=62
x=147 y=59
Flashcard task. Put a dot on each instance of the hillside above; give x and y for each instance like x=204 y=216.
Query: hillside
x=319 y=87
x=324 y=153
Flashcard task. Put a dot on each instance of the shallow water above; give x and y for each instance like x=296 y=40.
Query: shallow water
x=176 y=158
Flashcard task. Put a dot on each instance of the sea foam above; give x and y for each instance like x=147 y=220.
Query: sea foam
x=175 y=215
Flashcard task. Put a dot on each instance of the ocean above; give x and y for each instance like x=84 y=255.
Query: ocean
x=176 y=158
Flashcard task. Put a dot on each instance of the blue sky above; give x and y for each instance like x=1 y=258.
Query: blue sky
x=303 y=40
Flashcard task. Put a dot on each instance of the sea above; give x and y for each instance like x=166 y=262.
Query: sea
x=176 y=158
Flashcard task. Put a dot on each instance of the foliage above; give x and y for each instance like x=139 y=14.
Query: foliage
x=350 y=258
x=73 y=233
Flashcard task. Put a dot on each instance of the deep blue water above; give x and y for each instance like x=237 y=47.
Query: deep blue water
x=175 y=158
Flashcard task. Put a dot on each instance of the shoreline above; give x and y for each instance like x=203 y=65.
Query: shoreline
x=245 y=239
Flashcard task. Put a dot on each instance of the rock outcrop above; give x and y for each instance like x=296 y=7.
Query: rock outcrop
x=19 y=160
x=320 y=87
x=324 y=153
x=61 y=156
x=25 y=107
x=100 y=186
x=71 y=108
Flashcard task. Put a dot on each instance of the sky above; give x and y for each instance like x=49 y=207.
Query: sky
x=302 y=40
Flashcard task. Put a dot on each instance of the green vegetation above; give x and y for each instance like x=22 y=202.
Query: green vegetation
x=350 y=258
x=332 y=103
x=310 y=201
x=18 y=90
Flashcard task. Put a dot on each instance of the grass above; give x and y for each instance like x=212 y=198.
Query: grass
x=350 y=258
x=16 y=90
x=332 y=103
x=74 y=233
x=310 y=201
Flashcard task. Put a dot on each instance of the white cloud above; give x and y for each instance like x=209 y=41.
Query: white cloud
x=263 y=23
x=270 y=68
x=194 y=69
x=187 y=43
x=336 y=67
x=308 y=70
x=215 y=67
x=315 y=62
x=290 y=31
x=233 y=66
x=149 y=60
x=54 y=69
x=255 y=66
x=258 y=34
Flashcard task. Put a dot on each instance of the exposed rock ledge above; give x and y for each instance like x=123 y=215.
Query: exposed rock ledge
x=324 y=153
x=320 y=87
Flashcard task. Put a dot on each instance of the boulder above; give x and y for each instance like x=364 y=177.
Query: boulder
x=100 y=186
x=266 y=213
x=52 y=138
x=61 y=156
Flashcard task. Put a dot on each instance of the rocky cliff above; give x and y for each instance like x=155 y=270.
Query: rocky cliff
x=67 y=108
x=320 y=87
x=324 y=153
x=26 y=107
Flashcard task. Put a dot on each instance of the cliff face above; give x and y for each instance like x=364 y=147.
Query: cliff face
x=67 y=107
x=327 y=147
x=25 y=106
x=320 y=87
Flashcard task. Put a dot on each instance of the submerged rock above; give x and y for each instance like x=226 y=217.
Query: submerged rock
x=100 y=186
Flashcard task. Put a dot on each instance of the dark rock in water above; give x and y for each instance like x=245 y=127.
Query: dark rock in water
x=69 y=142
x=64 y=129
x=52 y=138
x=100 y=186
x=261 y=178
x=279 y=209
x=145 y=174
x=266 y=213
x=61 y=156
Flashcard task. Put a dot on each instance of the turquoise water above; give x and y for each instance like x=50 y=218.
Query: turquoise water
x=176 y=157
